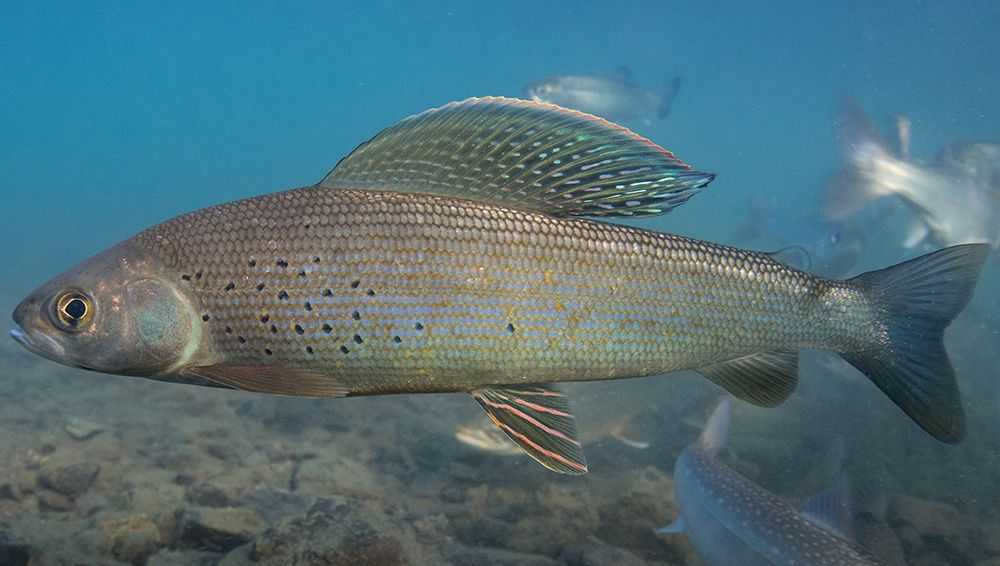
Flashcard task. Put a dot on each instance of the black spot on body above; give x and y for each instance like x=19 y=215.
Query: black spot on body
x=268 y=351
x=260 y=286
x=231 y=286
x=397 y=339
x=355 y=284
x=252 y=263
x=283 y=296
x=358 y=339
x=229 y=330
x=302 y=273
x=205 y=317
x=197 y=275
x=241 y=339
x=282 y=263
x=299 y=330
x=327 y=328
x=309 y=306
x=264 y=318
x=370 y=292
x=344 y=349
x=418 y=326
x=356 y=315
x=316 y=259
x=327 y=293
x=309 y=350
x=186 y=277
x=510 y=328
x=274 y=329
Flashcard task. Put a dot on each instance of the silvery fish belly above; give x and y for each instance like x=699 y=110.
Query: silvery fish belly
x=731 y=520
x=463 y=250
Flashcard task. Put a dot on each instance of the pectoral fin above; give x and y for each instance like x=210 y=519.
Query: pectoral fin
x=298 y=382
x=764 y=379
x=538 y=419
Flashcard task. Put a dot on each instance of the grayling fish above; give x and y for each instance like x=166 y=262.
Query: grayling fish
x=956 y=200
x=452 y=252
x=731 y=520
x=615 y=97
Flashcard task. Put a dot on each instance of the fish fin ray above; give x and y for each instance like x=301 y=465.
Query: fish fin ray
x=522 y=154
x=538 y=419
x=764 y=379
x=795 y=256
x=832 y=509
x=714 y=436
x=276 y=380
x=679 y=526
x=915 y=301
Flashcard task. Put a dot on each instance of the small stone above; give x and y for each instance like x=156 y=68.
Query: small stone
x=218 y=529
x=207 y=495
x=52 y=501
x=79 y=429
x=596 y=553
x=12 y=551
x=133 y=539
x=989 y=538
x=9 y=491
x=184 y=558
x=70 y=480
x=466 y=556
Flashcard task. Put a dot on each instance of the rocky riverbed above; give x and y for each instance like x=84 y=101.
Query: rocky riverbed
x=100 y=470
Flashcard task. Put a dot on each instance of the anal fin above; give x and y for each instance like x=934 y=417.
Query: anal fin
x=538 y=419
x=764 y=379
x=276 y=380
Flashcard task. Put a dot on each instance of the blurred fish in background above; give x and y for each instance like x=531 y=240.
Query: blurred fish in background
x=954 y=199
x=731 y=520
x=615 y=96
x=805 y=241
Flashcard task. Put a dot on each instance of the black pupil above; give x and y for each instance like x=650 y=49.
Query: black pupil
x=75 y=309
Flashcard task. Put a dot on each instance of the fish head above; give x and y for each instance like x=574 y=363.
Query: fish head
x=114 y=313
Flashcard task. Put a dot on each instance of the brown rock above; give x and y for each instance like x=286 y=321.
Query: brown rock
x=52 y=501
x=71 y=480
x=133 y=539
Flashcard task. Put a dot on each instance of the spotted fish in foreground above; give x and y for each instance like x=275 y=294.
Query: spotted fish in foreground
x=731 y=520
x=456 y=251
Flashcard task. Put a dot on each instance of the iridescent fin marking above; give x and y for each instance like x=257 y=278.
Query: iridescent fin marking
x=296 y=382
x=764 y=379
x=522 y=154
x=538 y=419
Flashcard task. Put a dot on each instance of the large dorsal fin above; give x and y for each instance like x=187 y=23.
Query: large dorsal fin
x=522 y=154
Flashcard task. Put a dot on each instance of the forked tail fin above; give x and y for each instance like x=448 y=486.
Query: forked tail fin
x=914 y=302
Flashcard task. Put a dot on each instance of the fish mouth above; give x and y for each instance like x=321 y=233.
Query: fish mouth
x=47 y=348
x=20 y=336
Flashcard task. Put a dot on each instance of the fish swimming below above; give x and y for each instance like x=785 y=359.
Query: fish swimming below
x=614 y=96
x=731 y=520
x=461 y=250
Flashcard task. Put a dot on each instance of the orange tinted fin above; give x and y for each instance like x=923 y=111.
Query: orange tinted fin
x=298 y=382
x=538 y=419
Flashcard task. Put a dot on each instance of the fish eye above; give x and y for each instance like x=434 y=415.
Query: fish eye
x=73 y=310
